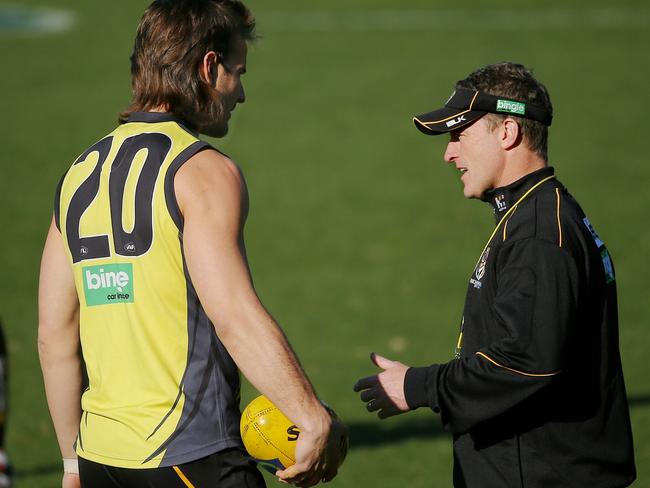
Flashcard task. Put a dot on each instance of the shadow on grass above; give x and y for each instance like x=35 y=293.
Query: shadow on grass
x=376 y=432
x=372 y=433
x=639 y=400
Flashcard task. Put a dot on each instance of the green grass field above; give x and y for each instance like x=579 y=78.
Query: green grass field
x=358 y=237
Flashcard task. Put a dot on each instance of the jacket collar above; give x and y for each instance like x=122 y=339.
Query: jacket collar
x=501 y=199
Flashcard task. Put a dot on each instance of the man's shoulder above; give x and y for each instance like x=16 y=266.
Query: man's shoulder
x=211 y=162
x=210 y=179
x=550 y=215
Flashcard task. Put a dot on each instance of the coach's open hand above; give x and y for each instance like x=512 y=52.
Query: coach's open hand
x=385 y=391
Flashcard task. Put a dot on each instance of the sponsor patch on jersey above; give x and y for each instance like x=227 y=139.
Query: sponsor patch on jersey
x=607 y=264
x=108 y=283
x=592 y=231
x=604 y=254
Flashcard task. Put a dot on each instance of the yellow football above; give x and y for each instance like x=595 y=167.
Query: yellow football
x=270 y=437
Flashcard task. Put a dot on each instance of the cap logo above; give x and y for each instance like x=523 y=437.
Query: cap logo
x=511 y=107
x=455 y=121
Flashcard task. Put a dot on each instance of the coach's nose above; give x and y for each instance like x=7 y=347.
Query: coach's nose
x=451 y=153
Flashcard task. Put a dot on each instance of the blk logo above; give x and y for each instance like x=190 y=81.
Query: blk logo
x=456 y=121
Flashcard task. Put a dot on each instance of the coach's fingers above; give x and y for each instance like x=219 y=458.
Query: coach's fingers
x=365 y=383
x=389 y=410
x=368 y=395
x=381 y=361
x=379 y=404
x=373 y=406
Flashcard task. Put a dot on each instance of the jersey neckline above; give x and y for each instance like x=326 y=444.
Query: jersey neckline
x=157 y=117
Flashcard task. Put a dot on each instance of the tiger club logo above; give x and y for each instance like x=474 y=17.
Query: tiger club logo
x=480 y=270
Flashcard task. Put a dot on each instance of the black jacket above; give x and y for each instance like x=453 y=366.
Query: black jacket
x=535 y=396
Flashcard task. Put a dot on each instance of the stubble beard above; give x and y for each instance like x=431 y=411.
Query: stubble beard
x=214 y=122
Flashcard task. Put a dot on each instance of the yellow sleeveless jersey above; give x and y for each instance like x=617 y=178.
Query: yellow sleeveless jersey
x=162 y=388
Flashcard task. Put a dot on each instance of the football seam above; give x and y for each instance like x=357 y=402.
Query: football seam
x=255 y=426
x=261 y=412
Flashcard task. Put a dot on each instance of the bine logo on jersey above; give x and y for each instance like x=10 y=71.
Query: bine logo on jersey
x=108 y=283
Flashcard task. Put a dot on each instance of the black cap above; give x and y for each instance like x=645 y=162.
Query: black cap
x=465 y=106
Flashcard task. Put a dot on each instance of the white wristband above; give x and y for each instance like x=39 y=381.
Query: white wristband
x=71 y=466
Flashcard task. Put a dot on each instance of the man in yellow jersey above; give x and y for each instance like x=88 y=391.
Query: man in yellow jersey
x=535 y=394
x=145 y=269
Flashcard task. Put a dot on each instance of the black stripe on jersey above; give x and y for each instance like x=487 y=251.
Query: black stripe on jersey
x=170 y=195
x=173 y=407
x=193 y=325
x=211 y=377
x=57 y=201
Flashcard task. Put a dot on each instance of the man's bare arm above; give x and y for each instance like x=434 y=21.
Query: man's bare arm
x=212 y=197
x=58 y=345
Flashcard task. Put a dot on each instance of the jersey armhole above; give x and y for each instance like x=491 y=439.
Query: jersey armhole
x=170 y=194
x=57 y=202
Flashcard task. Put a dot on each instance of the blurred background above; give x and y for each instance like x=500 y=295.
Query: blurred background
x=359 y=238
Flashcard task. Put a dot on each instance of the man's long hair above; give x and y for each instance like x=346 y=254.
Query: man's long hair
x=171 y=41
x=516 y=82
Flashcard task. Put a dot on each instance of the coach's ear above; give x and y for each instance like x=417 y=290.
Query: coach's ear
x=509 y=133
x=209 y=68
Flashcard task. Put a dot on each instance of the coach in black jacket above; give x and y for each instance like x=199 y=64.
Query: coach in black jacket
x=535 y=395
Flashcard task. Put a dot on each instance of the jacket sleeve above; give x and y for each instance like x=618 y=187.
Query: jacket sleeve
x=534 y=307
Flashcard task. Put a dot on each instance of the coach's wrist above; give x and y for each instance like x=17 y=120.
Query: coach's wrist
x=415 y=388
x=421 y=386
x=71 y=466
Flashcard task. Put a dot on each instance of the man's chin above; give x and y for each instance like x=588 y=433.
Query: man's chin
x=472 y=194
x=214 y=130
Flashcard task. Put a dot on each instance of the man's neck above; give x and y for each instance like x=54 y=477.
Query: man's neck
x=519 y=162
x=160 y=108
